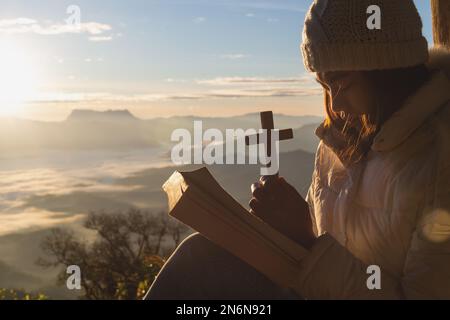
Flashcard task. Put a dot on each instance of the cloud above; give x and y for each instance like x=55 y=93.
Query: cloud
x=266 y=92
x=172 y=80
x=100 y=38
x=26 y=25
x=217 y=88
x=29 y=196
x=199 y=20
x=234 y=56
x=34 y=219
x=227 y=81
x=17 y=21
x=250 y=15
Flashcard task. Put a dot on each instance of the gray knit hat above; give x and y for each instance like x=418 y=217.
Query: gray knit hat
x=336 y=36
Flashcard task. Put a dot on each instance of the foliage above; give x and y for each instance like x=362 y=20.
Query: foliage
x=123 y=260
x=13 y=294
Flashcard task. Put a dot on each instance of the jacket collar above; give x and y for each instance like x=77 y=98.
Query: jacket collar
x=418 y=108
x=426 y=101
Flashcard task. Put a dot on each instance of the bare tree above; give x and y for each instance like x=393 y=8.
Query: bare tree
x=124 y=259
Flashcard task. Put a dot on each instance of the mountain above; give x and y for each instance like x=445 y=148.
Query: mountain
x=100 y=116
x=121 y=130
x=304 y=139
x=82 y=130
x=164 y=126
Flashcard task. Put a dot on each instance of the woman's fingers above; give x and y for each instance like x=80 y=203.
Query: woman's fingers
x=272 y=187
x=254 y=205
x=269 y=193
x=257 y=207
x=255 y=186
x=259 y=193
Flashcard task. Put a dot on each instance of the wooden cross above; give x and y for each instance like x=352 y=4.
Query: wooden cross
x=268 y=124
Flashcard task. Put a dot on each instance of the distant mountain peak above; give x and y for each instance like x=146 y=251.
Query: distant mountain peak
x=104 y=116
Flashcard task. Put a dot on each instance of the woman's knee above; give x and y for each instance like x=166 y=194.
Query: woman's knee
x=183 y=271
x=193 y=242
x=200 y=269
x=198 y=247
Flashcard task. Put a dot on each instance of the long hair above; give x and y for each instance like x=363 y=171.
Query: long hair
x=357 y=133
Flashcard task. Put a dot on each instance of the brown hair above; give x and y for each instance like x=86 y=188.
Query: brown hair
x=358 y=132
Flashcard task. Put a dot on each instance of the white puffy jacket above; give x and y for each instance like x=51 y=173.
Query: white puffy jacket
x=391 y=210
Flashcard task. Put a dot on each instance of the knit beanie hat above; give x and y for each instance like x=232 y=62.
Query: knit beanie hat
x=336 y=36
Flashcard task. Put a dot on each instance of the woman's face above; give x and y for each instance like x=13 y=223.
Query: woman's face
x=349 y=91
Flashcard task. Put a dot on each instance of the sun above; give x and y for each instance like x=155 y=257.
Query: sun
x=17 y=78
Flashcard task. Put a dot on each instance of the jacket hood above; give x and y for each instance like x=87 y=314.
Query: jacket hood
x=439 y=60
x=427 y=100
x=417 y=108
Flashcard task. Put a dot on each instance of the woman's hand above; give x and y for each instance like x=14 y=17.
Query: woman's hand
x=278 y=204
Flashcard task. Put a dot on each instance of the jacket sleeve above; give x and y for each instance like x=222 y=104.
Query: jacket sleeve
x=427 y=267
x=330 y=271
x=309 y=199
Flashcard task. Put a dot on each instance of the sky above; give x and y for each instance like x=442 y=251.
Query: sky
x=156 y=57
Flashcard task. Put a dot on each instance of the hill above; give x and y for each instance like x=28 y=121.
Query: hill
x=86 y=115
x=121 y=130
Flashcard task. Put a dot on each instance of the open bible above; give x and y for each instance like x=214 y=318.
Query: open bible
x=197 y=199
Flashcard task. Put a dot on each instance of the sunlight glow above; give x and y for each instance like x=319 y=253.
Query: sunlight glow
x=17 y=78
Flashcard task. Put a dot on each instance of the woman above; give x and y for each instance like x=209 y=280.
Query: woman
x=380 y=193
